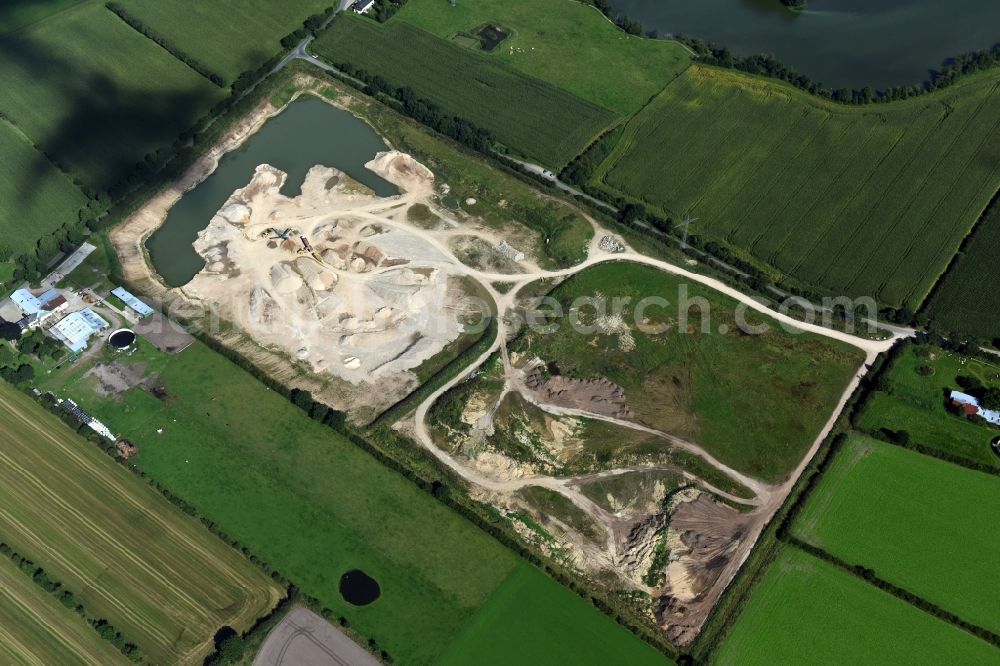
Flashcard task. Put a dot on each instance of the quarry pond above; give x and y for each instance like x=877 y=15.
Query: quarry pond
x=840 y=43
x=308 y=132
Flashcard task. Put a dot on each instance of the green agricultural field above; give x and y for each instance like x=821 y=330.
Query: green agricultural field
x=95 y=95
x=35 y=197
x=916 y=403
x=18 y=15
x=805 y=610
x=569 y=44
x=533 y=620
x=36 y=629
x=124 y=552
x=229 y=37
x=967 y=301
x=870 y=200
x=528 y=115
x=756 y=402
x=922 y=524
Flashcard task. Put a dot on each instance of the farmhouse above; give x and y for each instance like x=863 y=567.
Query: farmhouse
x=970 y=407
x=36 y=310
x=75 y=330
x=363 y=6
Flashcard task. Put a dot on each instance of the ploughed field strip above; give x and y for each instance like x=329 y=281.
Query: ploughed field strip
x=806 y=610
x=95 y=95
x=528 y=115
x=870 y=200
x=127 y=555
x=36 y=629
x=922 y=524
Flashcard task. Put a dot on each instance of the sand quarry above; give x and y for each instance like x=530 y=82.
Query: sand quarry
x=320 y=278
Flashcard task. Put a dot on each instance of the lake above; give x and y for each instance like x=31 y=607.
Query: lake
x=840 y=43
x=308 y=132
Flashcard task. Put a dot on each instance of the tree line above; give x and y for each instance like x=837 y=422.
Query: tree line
x=168 y=46
x=44 y=580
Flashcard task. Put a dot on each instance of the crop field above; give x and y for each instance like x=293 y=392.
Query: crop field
x=756 y=402
x=18 y=15
x=126 y=554
x=229 y=37
x=569 y=44
x=528 y=115
x=35 y=197
x=36 y=629
x=961 y=303
x=94 y=94
x=916 y=403
x=921 y=523
x=870 y=200
x=805 y=610
x=533 y=620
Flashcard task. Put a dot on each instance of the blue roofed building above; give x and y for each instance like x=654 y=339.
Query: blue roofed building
x=76 y=329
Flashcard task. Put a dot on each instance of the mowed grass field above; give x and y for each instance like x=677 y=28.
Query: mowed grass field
x=313 y=505
x=807 y=611
x=123 y=550
x=756 y=402
x=870 y=200
x=532 y=620
x=966 y=301
x=528 y=115
x=571 y=45
x=36 y=629
x=94 y=94
x=17 y=15
x=916 y=403
x=35 y=197
x=923 y=524
x=229 y=36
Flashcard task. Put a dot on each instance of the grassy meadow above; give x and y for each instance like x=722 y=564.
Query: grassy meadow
x=528 y=115
x=123 y=550
x=756 y=402
x=35 y=197
x=304 y=499
x=533 y=620
x=870 y=200
x=916 y=402
x=36 y=629
x=967 y=301
x=230 y=37
x=94 y=94
x=923 y=524
x=571 y=45
x=313 y=505
x=805 y=610
x=18 y=15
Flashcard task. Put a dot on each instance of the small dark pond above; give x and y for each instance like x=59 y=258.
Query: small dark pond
x=490 y=37
x=358 y=588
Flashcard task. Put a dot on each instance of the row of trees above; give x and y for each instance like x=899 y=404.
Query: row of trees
x=165 y=43
x=385 y=9
x=423 y=110
x=105 y=629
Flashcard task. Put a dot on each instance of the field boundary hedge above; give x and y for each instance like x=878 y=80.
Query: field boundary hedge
x=40 y=577
x=164 y=43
